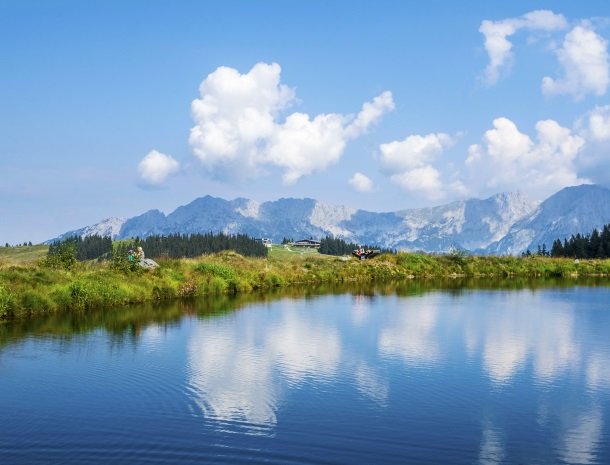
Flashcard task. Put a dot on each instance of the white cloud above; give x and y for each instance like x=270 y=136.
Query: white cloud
x=302 y=145
x=496 y=34
x=425 y=180
x=371 y=113
x=238 y=129
x=408 y=162
x=361 y=182
x=413 y=152
x=474 y=154
x=235 y=112
x=509 y=158
x=506 y=143
x=599 y=124
x=155 y=167
x=584 y=60
x=593 y=161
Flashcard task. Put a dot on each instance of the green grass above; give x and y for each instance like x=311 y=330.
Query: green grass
x=22 y=255
x=29 y=288
x=279 y=251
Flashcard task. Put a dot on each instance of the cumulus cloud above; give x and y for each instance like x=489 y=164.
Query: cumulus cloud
x=236 y=112
x=239 y=127
x=425 y=180
x=302 y=145
x=499 y=47
x=155 y=167
x=593 y=161
x=361 y=182
x=508 y=158
x=409 y=162
x=584 y=60
x=599 y=124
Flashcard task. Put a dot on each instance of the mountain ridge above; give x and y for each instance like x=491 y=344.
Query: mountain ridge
x=505 y=223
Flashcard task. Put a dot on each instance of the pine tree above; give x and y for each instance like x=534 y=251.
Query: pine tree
x=557 y=249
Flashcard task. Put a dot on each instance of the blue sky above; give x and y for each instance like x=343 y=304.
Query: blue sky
x=98 y=119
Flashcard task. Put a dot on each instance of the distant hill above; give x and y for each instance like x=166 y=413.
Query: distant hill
x=506 y=223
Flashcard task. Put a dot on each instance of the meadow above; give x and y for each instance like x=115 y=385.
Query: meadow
x=29 y=286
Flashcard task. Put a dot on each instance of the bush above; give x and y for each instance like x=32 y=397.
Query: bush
x=120 y=258
x=62 y=255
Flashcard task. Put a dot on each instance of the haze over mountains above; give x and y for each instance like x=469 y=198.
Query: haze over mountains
x=507 y=223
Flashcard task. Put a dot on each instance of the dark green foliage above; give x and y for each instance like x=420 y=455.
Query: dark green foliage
x=194 y=245
x=542 y=252
x=594 y=245
x=92 y=247
x=87 y=248
x=336 y=246
x=122 y=260
x=62 y=255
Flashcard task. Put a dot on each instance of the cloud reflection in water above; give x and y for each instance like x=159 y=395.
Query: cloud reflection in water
x=241 y=366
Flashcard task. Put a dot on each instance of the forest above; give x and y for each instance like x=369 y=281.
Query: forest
x=335 y=246
x=594 y=245
x=171 y=246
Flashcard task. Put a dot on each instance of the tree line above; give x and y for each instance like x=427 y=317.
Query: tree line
x=193 y=245
x=594 y=245
x=171 y=246
x=84 y=248
x=336 y=246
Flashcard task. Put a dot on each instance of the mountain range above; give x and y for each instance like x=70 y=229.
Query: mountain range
x=507 y=223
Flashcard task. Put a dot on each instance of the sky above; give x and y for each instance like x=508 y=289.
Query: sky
x=113 y=108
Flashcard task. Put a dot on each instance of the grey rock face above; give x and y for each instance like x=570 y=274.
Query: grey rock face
x=505 y=223
x=572 y=210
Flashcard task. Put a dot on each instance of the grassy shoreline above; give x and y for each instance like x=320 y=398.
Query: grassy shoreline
x=28 y=290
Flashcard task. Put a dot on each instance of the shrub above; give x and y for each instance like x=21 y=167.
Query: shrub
x=120 y=258
x=62 y=255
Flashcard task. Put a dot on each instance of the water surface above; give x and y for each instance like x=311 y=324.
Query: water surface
x=364 y=377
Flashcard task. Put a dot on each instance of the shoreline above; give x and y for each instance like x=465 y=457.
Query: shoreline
x=30 y=290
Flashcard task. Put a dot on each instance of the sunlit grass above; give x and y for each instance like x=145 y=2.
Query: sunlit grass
x=280 y=251
x=22 y=255
x=30 y=288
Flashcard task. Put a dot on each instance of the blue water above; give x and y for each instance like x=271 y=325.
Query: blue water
x=472 y=376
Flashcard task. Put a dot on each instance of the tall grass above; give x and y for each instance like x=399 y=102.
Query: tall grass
x=35 y=289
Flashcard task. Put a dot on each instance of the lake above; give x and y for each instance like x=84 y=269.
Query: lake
x=412 y=374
